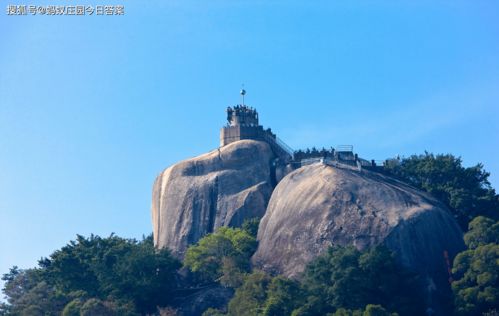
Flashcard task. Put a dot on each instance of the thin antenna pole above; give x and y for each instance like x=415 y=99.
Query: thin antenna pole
x=243 y=92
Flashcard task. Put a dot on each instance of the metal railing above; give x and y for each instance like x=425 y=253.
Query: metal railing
x=284 y=146
x=279 y=144
x=343 y=148
x=379 y=163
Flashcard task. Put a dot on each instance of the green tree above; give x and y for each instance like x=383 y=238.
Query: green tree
x=4 y=309
x=232 y=275
x=283 y=296
x=482 y=231
x=370 y=310
x=212 y=312
x=251 y=226
x=476 y=269
x=127 y=276
x=145 y=276
x=96 y=307
x=263 y=295
x=251 y=296
x=73 y=308
x=123 y=268
x=28 y=294
x=375 y=310
x=466 y=191
x=347 y=312
x=227 y=250
x=346 y=278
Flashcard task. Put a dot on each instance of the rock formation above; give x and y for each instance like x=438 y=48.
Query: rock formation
x=221 y=188
x=319 y=205
x=325 y=203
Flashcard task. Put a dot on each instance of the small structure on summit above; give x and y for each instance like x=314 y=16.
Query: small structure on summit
x=242 y=123
x=242 y=115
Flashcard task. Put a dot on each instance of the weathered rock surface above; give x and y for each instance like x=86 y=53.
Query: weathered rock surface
x=221 y=188
x=317 y=206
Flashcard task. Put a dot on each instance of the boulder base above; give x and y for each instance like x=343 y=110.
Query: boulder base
x=317 y=206
x=221 y=188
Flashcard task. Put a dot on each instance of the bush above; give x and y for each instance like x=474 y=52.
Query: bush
x=466 y=191
x=476 y=289
x=72 y=308
x=225 y=252
x=95 y=307
x=136 y=275
x=346 y=278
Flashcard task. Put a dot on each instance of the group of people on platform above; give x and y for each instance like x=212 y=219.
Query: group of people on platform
x=241 y=110
x=313 y=153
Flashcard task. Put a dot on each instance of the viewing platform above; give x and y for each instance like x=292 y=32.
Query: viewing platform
x=242 y=123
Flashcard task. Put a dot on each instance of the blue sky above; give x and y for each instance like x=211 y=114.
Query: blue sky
x=93 y=108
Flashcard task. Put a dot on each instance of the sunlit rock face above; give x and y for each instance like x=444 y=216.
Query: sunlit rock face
x=221 y=188
x=317 y=206
x=310 y=209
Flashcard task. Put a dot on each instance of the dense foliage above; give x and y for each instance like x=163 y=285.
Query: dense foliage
x=343 y=281
x=224 y=255
x=350 y=279
x=477 y=269
x=113 y=276
x=466 y=191
x=261 y=294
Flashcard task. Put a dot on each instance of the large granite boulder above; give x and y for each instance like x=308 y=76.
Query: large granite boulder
x=319 y=205
x=221 y=188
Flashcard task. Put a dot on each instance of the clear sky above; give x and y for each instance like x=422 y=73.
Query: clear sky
x=92 y=108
